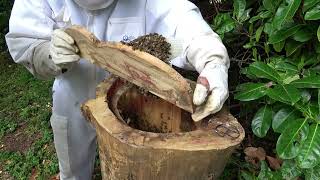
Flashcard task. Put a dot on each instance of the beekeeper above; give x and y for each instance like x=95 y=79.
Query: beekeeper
x=37 y=40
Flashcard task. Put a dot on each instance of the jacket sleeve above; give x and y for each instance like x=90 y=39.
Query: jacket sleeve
x=183 y=20
x=30 y=26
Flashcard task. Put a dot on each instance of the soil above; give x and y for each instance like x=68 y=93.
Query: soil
x=19 y=140
x=5 y=175
x=153 y=44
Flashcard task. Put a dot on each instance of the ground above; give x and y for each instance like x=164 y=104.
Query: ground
x=26 y=138
x=26 y=147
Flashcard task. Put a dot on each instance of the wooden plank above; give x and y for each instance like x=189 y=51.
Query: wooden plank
x=135 y=66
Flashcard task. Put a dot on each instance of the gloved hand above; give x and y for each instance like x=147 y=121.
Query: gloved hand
x=44 y=67
x=211 y=90
x=209 y=57
x=63 y=51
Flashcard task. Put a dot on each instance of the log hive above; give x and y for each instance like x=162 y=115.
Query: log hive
x=178 y=152
x=144 y=137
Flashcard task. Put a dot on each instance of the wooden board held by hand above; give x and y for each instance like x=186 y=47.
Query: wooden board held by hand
x=139 y=68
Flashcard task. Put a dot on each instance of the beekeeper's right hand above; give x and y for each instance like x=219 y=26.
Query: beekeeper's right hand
x=52 y=58
x=63 y=50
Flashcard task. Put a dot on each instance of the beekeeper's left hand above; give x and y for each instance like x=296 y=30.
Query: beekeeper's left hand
x=210 y=58
x=211 y=91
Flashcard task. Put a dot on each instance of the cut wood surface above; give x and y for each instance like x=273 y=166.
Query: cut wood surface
x=135 y=66
x=128 y=153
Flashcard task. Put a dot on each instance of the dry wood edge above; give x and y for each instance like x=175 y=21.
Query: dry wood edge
x=183 y=86
x=98 y=112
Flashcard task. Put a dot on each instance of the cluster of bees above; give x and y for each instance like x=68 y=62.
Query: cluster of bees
x=154 y=44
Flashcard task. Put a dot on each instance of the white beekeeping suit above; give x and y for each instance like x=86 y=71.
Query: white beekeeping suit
x=36 y=40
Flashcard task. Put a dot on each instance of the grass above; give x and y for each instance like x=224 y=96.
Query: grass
x=25 y=108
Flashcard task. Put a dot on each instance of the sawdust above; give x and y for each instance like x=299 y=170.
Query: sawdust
x=153 y=44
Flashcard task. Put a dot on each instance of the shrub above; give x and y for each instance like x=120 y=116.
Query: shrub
x=276 y=44
x=5 y=10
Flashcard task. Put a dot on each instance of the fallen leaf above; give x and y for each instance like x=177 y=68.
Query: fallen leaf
x=55 y=177
x=258 y=153
x=33 y=174
x=274 y=163
x=252 y=161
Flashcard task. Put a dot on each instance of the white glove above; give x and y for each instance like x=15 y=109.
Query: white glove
x=209 y=57
x=213 y=81
x=44 y=67
x=63 y=50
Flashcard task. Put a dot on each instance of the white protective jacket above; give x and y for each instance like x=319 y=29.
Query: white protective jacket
x=32 y=23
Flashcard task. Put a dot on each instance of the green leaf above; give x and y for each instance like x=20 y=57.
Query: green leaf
x=309 y=4
x=283 y=118
x=263 y=70
x=318 y=33
x=279 y=46
x=245 y=16
x=251 y=91
x=302 y=35
x=255 y=54
x=223 y=23
x=265 y=172
x=307 y=82
x=258 y=33
x=310 y=60
x=317 y=47
x=268 y=28
x=285 y=93
x=313 y=13
x=288 y=78
x=266 y=48
x=283 y=66
x=290 y=170
x=262 y=121
x=249 y=45
x=305 y=96
x=313 y=110
x=271 y=5
x=318 y=100
x=292 y=46
x=287 y=145
x=285 y=12
x=312 y=173
x=309 y=153
x=247 y=175
x=283 y=34
x=260 y=16
x=239 y=8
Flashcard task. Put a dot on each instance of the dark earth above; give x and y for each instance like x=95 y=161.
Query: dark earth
x=19 y=140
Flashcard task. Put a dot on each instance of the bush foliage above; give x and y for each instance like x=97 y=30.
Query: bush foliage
x=5 y=10
x=277 y=45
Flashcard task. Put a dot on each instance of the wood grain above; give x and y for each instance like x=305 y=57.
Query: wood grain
x=135 y=66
